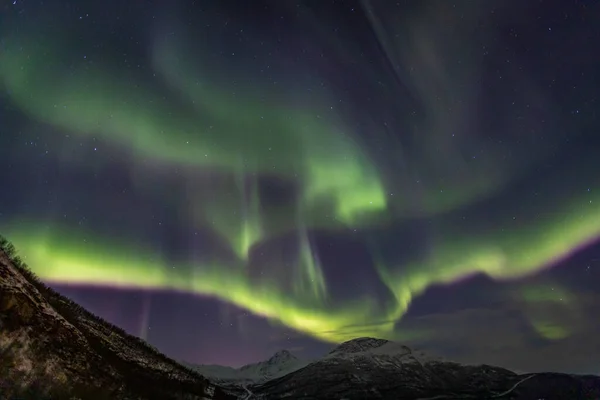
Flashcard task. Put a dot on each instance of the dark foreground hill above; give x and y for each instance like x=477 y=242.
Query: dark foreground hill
x=51 y=348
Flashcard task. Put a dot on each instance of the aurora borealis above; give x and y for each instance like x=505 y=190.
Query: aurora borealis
x=228 y=178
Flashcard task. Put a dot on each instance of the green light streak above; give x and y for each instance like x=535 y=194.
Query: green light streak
x=227 y=133
x=60 y=256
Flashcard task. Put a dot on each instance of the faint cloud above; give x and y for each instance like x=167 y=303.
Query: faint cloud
x=504 y=336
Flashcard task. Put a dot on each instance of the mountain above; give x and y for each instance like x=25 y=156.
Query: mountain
x=281 y=363
x=368 y=368
x=51 y=348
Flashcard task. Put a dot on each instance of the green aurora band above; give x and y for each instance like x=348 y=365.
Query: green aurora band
x=59 y=255
x=270 y=139
x=202 y=126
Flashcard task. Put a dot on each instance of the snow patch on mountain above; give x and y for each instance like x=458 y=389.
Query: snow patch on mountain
x=281 y=363
x=371 y=347
x=358 y=345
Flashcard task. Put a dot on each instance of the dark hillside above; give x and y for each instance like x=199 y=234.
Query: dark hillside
x=52 y=348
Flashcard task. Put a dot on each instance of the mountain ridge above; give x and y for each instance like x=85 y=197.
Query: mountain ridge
x=280 y=363
x=53 y=348
x=359 y=344
x=381 y=369
x=372 y=368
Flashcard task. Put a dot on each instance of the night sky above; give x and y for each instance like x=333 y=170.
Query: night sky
x=229 y=178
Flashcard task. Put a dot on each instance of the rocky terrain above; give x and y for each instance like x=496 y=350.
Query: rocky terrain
x=51 y=348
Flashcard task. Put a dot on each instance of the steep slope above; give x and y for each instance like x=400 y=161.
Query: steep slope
x=368 y=368
x=51 y=348
x=281 y=363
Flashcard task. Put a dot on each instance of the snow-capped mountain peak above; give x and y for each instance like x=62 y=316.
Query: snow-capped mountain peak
x=279 y=364
x=380 y=349
x=359 y=345
x=282 y=356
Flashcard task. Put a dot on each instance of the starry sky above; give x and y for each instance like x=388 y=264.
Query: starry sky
x=228 y=178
